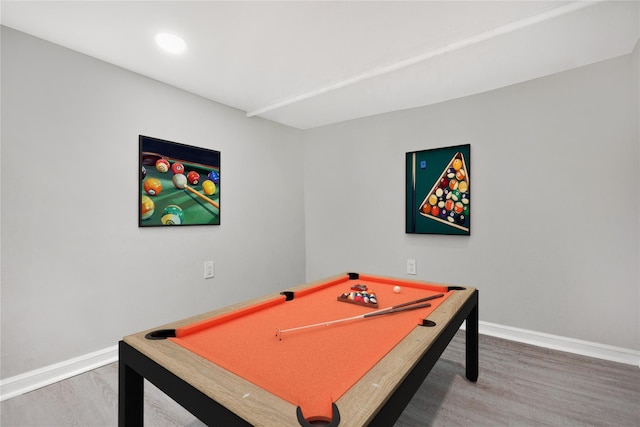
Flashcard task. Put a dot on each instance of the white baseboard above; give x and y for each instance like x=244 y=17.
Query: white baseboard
x=569 y=345
x=29 y=381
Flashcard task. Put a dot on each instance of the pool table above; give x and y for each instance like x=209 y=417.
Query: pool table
x=311 y=355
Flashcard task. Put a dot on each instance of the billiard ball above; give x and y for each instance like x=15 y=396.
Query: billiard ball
x=162 y=165
x=426 y=208
x=433 y=200
x=177 y=168
x=463 y=186
x=449 y=205
x=444 y=182
x=456 y=195
x=143 y=172
x=443 y=213
x=460 y=175
x=452 y=217
x=458 y=207
x=460 y=219
x=435 y=210
x=451 y=173
x=153 y=186
x=208 y=187
x=179 y=180
x=172 y=215
x=396 y=289
x=147 y=207
x=193 y=177
x=465 y=198
x=453 y=184
x=457 y=164
x=214 y=176
x=439 y=192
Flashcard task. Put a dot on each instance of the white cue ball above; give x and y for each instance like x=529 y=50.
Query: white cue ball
x=396 y=289
x=179 y=180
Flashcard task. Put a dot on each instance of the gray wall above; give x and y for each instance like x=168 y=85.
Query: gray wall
x=554 y=176
x=555 y=238
x=77 y=272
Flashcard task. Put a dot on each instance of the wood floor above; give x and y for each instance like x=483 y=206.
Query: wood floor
x=519 y=385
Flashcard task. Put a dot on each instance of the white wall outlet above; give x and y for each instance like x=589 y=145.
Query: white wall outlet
x=411 y=266
x=209 y=269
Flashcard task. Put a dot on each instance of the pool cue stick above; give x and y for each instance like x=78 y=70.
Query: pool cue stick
x=417 y=301
x=202 y=196
x=389 y=310
x=399 y=307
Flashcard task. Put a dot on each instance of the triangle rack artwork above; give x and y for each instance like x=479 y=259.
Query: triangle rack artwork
x=448 y=201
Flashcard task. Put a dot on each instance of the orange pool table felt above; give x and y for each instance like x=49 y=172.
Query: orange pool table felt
x=310 y=368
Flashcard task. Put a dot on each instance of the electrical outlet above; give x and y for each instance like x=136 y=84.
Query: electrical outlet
x=209 y=269
x=411 y=266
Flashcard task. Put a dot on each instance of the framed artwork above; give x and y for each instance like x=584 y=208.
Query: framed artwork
x=438 y=191
x=179 y=184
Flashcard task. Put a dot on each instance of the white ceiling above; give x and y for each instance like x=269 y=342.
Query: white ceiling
x=308 y=64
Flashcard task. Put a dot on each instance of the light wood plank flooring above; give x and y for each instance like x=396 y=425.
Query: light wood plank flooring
x=519 y=385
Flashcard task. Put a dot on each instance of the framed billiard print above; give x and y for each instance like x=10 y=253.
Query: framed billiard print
x=438 y=191
x=179 y=184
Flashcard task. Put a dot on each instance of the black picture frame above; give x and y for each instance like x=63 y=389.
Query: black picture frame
x=438 y=191
x=178 y=184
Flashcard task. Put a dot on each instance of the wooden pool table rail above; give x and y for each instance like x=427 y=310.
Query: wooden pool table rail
x=231 y=400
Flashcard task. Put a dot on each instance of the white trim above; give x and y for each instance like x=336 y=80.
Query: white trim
x=29 y=381
x=555 y=342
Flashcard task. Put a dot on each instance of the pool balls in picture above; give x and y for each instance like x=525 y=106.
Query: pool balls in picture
x=162 y=165
x=456 y=218
x=179 y=181
x=452 y=217
x=193 y=178
x=448 y=200
x=214 y=176
x=177 y=168
x=451 y=173
x=152 y=186
x=172 y=215
x=147 y=207
x=208 y=187
x=444 y=182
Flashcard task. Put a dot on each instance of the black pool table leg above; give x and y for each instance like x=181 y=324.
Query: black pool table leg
x=130 y=395
x=472 y=345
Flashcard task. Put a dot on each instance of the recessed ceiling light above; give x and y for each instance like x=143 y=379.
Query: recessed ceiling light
x=171 y=43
